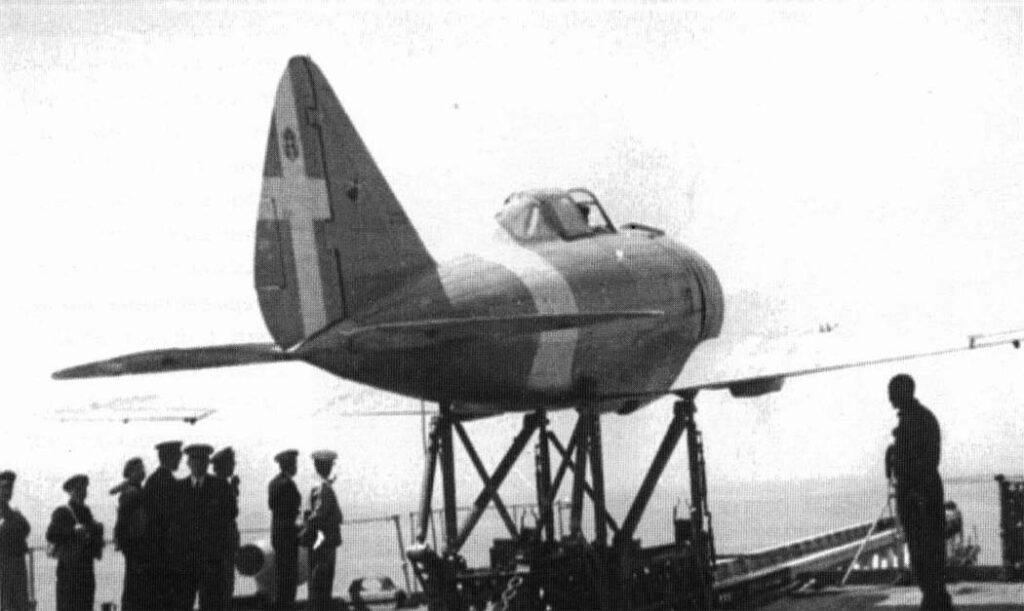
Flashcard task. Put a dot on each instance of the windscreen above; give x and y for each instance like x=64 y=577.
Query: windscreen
x=521 y=217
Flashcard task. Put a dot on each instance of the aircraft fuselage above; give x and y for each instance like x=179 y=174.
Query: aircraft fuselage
x=632 y=269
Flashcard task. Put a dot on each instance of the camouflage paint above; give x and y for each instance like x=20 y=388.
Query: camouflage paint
x=333 y=244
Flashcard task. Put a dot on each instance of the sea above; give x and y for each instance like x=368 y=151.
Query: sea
x=746 y=516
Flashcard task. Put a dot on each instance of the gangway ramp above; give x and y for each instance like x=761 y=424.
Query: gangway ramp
x=743 y=577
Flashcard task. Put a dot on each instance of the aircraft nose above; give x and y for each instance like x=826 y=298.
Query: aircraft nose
x=711 y=294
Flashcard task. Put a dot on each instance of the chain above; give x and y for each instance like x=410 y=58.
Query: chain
x=510 y=593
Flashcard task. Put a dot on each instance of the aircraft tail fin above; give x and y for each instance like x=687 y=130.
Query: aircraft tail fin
x=331 y=238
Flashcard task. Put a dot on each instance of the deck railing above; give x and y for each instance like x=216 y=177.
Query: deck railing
x=370 y=534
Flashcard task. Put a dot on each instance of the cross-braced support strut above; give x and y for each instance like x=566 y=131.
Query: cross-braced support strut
x=604 y=576
x=441 y=449
x=585 y=441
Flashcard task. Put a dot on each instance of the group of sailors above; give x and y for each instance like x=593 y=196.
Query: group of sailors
x=179 y=537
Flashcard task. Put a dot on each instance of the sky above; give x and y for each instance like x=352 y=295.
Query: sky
x=855 y=163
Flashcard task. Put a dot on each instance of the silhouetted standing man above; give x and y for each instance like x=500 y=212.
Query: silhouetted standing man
x=200 y=530
x=284 y=500
x=159 y=491
x=130 y=535
x=77 y=541
x=223 y=462
x=324 y=528
x=14 y=529
x=913 y=459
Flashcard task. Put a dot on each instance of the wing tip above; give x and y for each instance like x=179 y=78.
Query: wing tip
x=177 y=359
x=89 y=370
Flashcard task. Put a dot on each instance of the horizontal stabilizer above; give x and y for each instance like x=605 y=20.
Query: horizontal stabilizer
x=177 y=359
x=428 y=332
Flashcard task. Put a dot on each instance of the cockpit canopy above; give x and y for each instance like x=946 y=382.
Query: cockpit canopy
x=541 y=215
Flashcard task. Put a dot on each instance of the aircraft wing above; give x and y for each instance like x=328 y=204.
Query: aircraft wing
x=391 y=335
x=177 y=359
x=753 y=366
x=428 y=332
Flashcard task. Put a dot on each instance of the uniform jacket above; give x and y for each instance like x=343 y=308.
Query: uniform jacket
x=916 y=450
x=85 y=545
x=131 y=527
x=325 y=514
x=285 y=501
x=14 y=529
x=159 y=492
x=202 y=522
x=235 y=536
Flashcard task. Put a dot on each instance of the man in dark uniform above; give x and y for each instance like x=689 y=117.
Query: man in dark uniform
x=200 y=530
x=323 y=529
x=159 y=492
x=223 y=462
x=77 y=542
x=14 y=530
x=130 y=536
x=284 y=500
x=913 y=461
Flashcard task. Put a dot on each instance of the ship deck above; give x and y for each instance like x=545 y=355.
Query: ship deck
x=967 y=596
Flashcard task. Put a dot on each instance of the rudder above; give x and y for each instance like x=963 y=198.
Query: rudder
x=331 y=238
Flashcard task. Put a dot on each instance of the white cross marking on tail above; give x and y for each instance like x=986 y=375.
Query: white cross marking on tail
x=300 y=200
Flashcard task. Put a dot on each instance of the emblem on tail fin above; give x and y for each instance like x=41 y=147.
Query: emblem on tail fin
x=291 y=150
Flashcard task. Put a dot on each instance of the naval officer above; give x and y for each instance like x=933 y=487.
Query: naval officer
x=130 y=535
x=323 y=531
x=200 y=530
x=159 y=490
x=14 y=529
x=76 y=541
x=913 y=461
x=284 y=500
x=223 y=462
